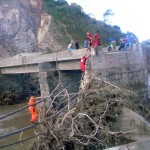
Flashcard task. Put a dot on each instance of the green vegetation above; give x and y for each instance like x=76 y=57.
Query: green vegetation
x=70 y=22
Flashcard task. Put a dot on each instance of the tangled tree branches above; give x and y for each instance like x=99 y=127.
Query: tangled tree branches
x=89 y=124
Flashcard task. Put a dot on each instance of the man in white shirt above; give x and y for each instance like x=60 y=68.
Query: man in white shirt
x=70 y=46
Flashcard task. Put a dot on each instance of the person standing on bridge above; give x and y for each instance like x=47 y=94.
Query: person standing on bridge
x=77 y=44
x=112 y=43
x=122 y=43
x=129 y=41
x=32 y=108
x=86 y=43
x=89 y=38
x=70 y=46
x=96 y=40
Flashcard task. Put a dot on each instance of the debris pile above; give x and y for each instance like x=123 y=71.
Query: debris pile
x=90 y=122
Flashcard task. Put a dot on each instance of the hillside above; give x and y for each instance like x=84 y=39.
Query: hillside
x=19 y=21
x=72 y=23
x=46 y=26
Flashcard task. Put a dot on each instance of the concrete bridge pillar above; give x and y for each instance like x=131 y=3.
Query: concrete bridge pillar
x=44 y=87
x=97 y=51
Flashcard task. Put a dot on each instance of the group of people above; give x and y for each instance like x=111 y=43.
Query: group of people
x=125 y=43
x=73 y=46
x=90 y=41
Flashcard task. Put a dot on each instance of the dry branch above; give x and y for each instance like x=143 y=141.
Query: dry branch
x=91 y=122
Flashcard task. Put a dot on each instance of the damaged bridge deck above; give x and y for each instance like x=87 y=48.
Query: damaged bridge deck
x=34 y=62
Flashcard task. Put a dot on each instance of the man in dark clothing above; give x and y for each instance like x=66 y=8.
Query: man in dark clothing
x=76 y=44
x=122 y=43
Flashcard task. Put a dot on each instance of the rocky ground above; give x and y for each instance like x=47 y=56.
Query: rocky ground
x=25 y=28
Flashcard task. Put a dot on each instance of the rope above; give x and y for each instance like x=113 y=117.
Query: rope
x=18 y=131
x=16 y=111
x=14 y=143
x=32 y=126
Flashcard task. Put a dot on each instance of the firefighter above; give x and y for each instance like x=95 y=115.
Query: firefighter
x=32 y=108
x=96 y=40
x=82 y=63
x=89 y=37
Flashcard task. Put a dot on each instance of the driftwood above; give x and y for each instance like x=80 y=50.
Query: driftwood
x=88 y=124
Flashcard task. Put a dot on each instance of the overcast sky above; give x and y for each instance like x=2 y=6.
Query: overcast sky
x=130 y=15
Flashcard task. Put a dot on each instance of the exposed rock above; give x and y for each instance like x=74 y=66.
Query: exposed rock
x=138 y=145
x=132 y=121
x=47 y=35
x=19 y=20
x=24 y=28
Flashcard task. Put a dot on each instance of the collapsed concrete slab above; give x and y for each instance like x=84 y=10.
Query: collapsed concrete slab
x=139 y=145
x=134 y=125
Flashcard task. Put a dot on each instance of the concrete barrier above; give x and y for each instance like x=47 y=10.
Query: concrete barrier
x=139 y=145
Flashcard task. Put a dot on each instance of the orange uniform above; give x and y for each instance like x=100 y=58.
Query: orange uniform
x=96 y=40
x=32 y=109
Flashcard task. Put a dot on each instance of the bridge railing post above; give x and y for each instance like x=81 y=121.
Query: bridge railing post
x=97 y=50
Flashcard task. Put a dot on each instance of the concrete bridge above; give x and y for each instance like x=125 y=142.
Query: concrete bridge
x=126 y=68
x=31 y=63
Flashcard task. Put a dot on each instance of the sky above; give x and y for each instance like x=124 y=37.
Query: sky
x=129 y=15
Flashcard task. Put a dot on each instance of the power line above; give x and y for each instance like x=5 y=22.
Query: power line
x=34 y=125
x=14 y=143
x=16 y=111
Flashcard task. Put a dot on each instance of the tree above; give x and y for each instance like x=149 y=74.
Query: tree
x=108 y=13
x=117 y=28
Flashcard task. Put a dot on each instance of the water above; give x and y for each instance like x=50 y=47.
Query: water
x=12 y=123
